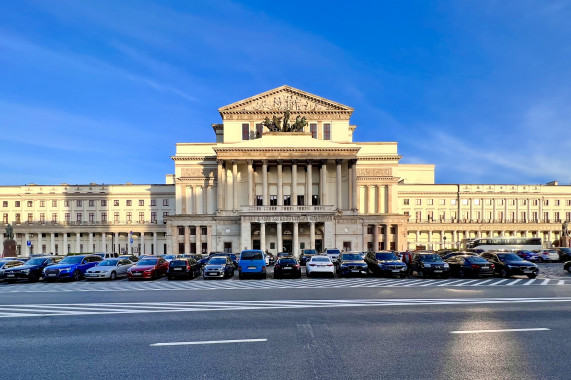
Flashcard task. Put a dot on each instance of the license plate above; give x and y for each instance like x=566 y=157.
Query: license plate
x=10 y=275
x=137 y=274
x=251 y=267
x=485 y=267
x=212 y=273
x=90 y=275
x=397 y=270
x=355 y=270
x=437 y=271
x=52 y=275
x=177 y=268
x=287 y=268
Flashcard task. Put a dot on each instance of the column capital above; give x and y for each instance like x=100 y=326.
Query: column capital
x=234 y=162
x=220 y=162
x=280 y=162
x=352 y=162
x=309 y=161
x=338 y=161
x=250 y=162
x=323 y=162
x=294 y=162
x=265 y=162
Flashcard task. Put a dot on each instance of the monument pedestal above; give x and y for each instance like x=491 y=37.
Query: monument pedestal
x=9 y=248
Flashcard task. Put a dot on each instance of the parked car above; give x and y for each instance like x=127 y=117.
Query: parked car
x=429 y=264
x=287 y=266
x=218 y=267
x=185 y=267
x=528 y=255
x=205 y=258
x=31 y=270
x=320 y=264
x=106 y=255
x=252 y=262
x=564 y=254
x=457 y=253
x=168 y=258
x=109 y=269
x=509 y=264
x=148 y=268
x=385 y=263
x=470 y=266
x=131 y=258
x=547 y=255
x=333 y=254
x=271 y=258
x=567 y=266
x=6 y=264
x=351 y=263
x=306 y=255
x=70 y=268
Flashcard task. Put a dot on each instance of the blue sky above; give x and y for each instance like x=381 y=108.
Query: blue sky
x=101 y=91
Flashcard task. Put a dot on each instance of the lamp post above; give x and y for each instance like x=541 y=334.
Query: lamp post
x=444 y=238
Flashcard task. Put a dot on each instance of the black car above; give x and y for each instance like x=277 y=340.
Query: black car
x=287 y=266
x=385 y=263
x=31 y=270
x=218 y=267
x=306 y=255
x=183 y=267
x=7 y=264
x=429 y=264
x=564 y=254
x=567 y=266
x=470 y=266
x=131 y=258
x=457 y=253
x=351 y=263
x=509 y=264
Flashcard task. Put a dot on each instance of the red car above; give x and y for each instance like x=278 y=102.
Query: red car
x=152 y=268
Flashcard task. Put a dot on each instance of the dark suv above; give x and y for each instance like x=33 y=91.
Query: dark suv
x=31 y=270
x=306 y=255
x=385 y=263
x=429 y=264
x=351 y=263
x=508 y=264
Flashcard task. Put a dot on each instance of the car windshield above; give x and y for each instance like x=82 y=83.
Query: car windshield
x=386 y=256
x=108 y=263
x=35 y=261
x=287 y=261
x=351 y=256
x=217 y=261
x=252 y=255
x=333 y=251
x=566 y=250
x=509 y=257
x=179 y=263
x=526 y=252
x=170 y=257
x=430 y=258
x=321 y=259
x=310 y=252
x=476 y=260
x=71 y=260
x=148 y=262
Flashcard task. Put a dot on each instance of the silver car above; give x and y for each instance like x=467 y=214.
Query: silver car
x=109 y=269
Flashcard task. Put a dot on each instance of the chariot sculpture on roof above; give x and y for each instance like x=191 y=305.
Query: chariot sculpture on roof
x=276 y=125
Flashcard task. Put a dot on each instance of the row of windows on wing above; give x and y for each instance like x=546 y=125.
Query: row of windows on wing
x=500 y=216
x=192 y=230
x=488 y=202
x=91 y=203
x=273 y=200
x=248 y=134
x=79 y=217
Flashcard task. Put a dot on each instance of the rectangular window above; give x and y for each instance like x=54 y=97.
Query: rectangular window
x=103 y=203
x=141 y=202
x=165 y=202
x=245 y=131
x=165 y=215
x=535 y=202
x=54 y=203
x=313 y=130
x=465 y=202
x=17 y=204
x=153 y=216
x=418 y=216
x=524 y=202
x=406 y=202
x=153 y=202
x=104 y=217
x=227 y=247
x=453 y=202
x=546 y=216
x=430 y=202
x=5 y=218
x=203 y=231
x=500 y=202
x=259 y=200
x=557 y=218
x=79 y=217
x=557 y=202
x=546 y=202
x=273 y=200
x=42 y=218
x=30 y=203
x=567 y=216
x=141 y=217
x=567 y=203
x=370 y=229
x=129 y=217
x=193 y=230
x=115 y=217
x=30 y=217
x=78 y=203
x=500 y=215
x=430 y=216
x=476 y=202
x=259 y=130
x=477 y=215
x=54 y=217
x=287 y=200
x=4 y=203
x=315 y=200
x=442 y=202
x=42 y=203
x=418 y=202
x=91 y=217
x=67 y=217
x=523 y=216
x=534 y=216
x=116 y=202
x=326 y=131
x=129 y=202
x=300 y=200
x=180 y=231
x=18 y=219
x=91 y=203
x=180 y=247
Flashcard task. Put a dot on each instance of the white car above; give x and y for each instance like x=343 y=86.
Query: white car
x=320 y=264
x=547 y=255
x=109 y=269
x=333 y=254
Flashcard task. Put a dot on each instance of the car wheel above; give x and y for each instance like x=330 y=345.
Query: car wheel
x=421 y=274
x=540 y=259
x=505 y=273
x=33 y=277
x=113 y=276
x=532 y=275
x=240 y=276
x=76 y=275
x=461 y=273
x=569 y=269
x=192 y=274
x=169 y=278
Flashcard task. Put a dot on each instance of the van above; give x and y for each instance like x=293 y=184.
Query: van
x=252 y=262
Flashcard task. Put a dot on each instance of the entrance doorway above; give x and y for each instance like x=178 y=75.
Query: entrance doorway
x=255 y=244
x=319 y=245
x=288 y=246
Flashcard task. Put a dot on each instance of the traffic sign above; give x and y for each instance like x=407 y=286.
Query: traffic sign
x=131 y=240
x=28 y=243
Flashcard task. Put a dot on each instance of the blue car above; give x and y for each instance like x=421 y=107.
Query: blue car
x=252 y=262
x=528 y=255
x=71 y=267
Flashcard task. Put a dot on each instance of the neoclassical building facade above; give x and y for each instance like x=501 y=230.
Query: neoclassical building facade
x=282 y=174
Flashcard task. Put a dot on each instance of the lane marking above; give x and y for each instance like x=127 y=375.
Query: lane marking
x=545 y=282
x=500 y=330
x=560 y=282
x=207 y=342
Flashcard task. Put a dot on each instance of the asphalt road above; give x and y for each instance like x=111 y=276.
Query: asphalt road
x=364 y=333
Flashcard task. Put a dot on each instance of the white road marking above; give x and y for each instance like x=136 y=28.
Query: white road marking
x=561 y=282
x=207 y=342
x=545 y=282
x=514 y=282
x=531 y=282
x=500 y=330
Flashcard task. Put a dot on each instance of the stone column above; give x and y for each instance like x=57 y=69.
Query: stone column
x=245 y=235
x=308 y=183
x=155 y=248
x=280 y=183
x=184 y=200
x=251 y=191
x=494 y=216
x=517 y=216
x=549 y=239
x=103 y=242
x=390 y=198
x=280 y=237
x=312 y=235
x=353 y=184
x=143 y=250
x=376 y=237
x=199 y=239
x=263 y=236
x=53 y=243
x=219 y=186
x=323 y=183
x=397 y=238
x=339 y=199
x=417 y=238
x=64 y=248
x=129 y=244
x=209 y=239
x=40 y=243
x=294 y=182
x=90 y=239
x=430 y=239
x=295 y=239
x=387 y=232
x=265 y=201
x=186 y=239
x=77 y=241
x=205 y=198
x=234 y=185
x=195 y=199
x=379 y=199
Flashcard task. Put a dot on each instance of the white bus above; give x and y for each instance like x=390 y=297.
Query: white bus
x=504 y=243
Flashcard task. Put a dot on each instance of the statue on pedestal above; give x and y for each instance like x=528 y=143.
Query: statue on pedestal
x=9 y=243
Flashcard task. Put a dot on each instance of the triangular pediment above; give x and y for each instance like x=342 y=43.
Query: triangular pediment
x=282 y=99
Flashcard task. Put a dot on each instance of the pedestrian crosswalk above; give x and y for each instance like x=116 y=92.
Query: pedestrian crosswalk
x=163 y=285
x=76 y=309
